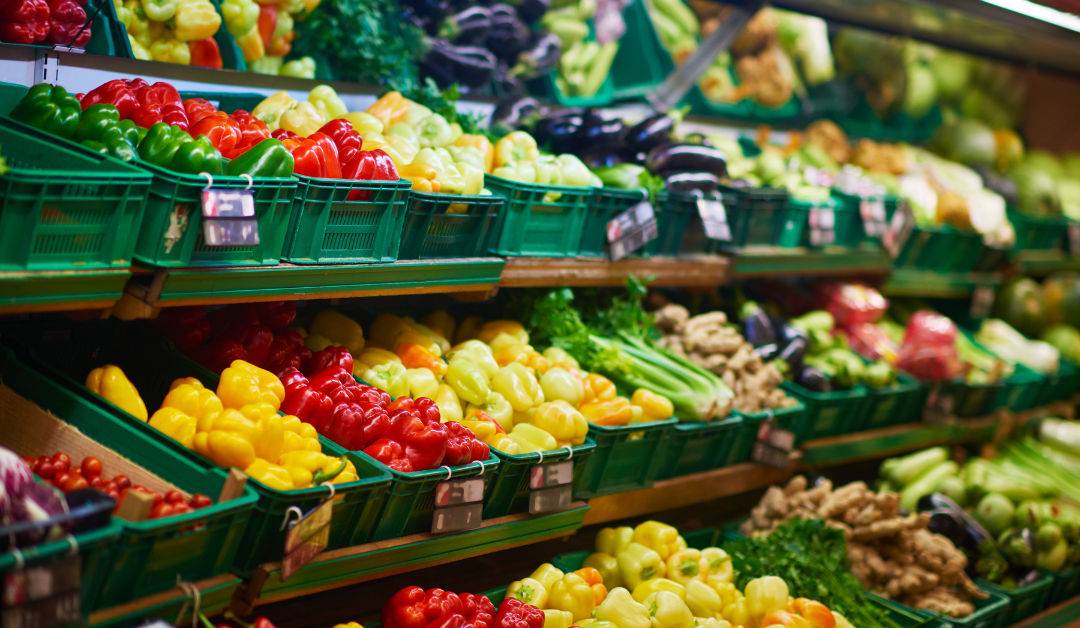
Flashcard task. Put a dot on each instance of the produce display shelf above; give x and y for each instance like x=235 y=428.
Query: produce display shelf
x=693 y=271
x=215 y=595
x=886 y=441
x=351 y=565
x=1037 y=263
x=906 y=282
x=755 y=261
x=48 y=290
x=1065 y=614
x=688 y=490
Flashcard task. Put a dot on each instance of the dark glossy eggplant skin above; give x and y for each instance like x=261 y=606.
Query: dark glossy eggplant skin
x=668 y=159
x=793 y=352
x=650 y=133
x=508 y=35
x=467 y=27
x=559 y=131
x=950 y=525
x=813 y=379
x=756 y=325
x=540 y=56
x=767 y=352
x=510 y=114
x=599 y=131
x=531 y=10
x=471 y=67
x=601 y=156
x=689 y=182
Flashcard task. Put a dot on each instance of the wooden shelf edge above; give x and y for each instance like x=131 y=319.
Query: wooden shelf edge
x=693 y=271
x=141 y=605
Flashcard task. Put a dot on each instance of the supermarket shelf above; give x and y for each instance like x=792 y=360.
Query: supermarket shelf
x=1044 y=262
x=694 y=271
x=688 y=490
x=215 y=595
x=50 y=290
x=775 y=261
x=873 y=444
x=973 y=25
x=366 y=562
x=926 y=283
x=1064 y=615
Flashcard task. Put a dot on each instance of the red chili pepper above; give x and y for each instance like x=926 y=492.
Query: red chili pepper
x=345 y=137
x=67 y=24
x=198 y=108
x=222 y=131
x=331 y=357
x=513 y=613
x=276 y=314
x=252 y=131
x=217 y=356
x=316 y=156
x=160 y=102
x=186 y=326
x=206 y=54
x=24 y=21
x=116 y=93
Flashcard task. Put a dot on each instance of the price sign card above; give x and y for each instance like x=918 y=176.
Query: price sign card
x=982 y=301
x=822 y=226
x=631 y=230
x=229 y=218
x=714 y=220
x=872 y=212
x=940 y=404
x=900 y=228
x=773 y=445
x=307 y=538
x=459 y=505
x=549 y=486
x=42 y=596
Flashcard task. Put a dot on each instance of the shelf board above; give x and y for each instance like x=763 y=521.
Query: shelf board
x=215 y=595
x=1044 y=262
x=777 y=261
x=51 y=290
x=1065 y=614
x=351 y=565
x=687 y=490
x=692 y=271
x=927 y=283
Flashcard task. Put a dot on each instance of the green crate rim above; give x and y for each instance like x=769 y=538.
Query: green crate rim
x=550 y=455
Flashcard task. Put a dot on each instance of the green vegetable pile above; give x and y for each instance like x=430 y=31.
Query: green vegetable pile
x=812 y=559
x=831 y=355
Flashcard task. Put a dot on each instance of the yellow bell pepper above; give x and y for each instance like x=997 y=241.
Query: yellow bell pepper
x=557 y=619
x=423 y=177
x=240 y=16
x=763 y=596
x=390 y=109
x=272 y=475
x=351 y=624
x=422 y=383
x=110 y=382
x=654 y=407
x=195 y=20
x=273 y=107
x=478 y=353
x=686 y=565
x=638 y=563
x=573 y=594
x=168 y=49
x=339 y=329
x=187 y=403
x=159 y=10
x=411 y=335
x=450 y=180
x=473 y=176
x=489 y=330
x=449 y=405
x=556 y=355
x=598 y=388
x=229 y=440
x=659 y=537
x=432 y=335
x=711 y=622
x=390 y=377
x=531 y=438
x=524 y=417
x=141 y=52
x=668 y=611
x=327 y=102
x=498 y=408
x=622 y=610
x=481 y=425
x=402 y=146
x=303 y=119
x=702 y=599
x=299 y=436
x=737 y=613
x=608 y=412
x=562 y=421
x=251 y=46
x=441 y=322
x=720 y=567
x=727 y=592
x=504 y=443
x=303 y=465
x=482 y=145
x=363 y=123
x=518 y=386
x=530 y=591
x=652 y=585
x=547 y=575
x=243 y=383
x=517 y=147
x=607 y=566
x=511 y=352
x=468 y=329
x=612 y=541
x=271 y=440
x=317 y=343
x=559 y=384
x=304 y=67
x=468 y=380
x=371 y=357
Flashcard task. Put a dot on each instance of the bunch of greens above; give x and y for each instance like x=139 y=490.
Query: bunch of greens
x=811 y=557
x=362 y=40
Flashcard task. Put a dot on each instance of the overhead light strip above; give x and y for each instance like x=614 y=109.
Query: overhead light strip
x=1039 y=12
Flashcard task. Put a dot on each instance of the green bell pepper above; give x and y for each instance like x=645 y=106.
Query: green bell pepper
x=51 y=109
x=161 y=143
x=132 y=132
x=100 y=123
x=268 y=158
x=116 y=147
x=198 y=156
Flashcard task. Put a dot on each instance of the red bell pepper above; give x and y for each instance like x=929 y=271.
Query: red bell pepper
x=424 y=443
x=317 y=156
x=331 y=357
x=252 y=131
x=256 y=340
x=368 y=165
x=67 y=24
x=462 y=447
x=390 y=453
x=206 y=54
x=336 y=405
x=160 y=102
x=217 y=356
x=336 y=383
x=355 y=427
x=283 y=134
x=267 y=22
x=276 y=314
x=117 y=93
x=186 y=326
x=24 y=21
x=198 y=108
x=303 y=401
x=239 y=314
x=513 y=613
x=345 y=137
x=412 y=607
x=223 y=131
x=281 y=357
x=478 y=609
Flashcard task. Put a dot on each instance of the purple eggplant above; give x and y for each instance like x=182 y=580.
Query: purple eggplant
x=531 y=10
x=793 y=352
x=813 y=379
x=430 y=11
x=512 y=113
x=669 y=159
x=468 y=26
x=508 y=35
x=757 y=327
x=596 y=130
x=540 y=55
x=468 y=66
x=650 y=133
x=689 y=182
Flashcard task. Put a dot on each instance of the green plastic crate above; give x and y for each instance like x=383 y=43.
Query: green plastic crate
x=67 y=351
x=991 y=259
x=231 y=57
x=534 y=222
x=1038 y=233
x=96 y=550
x=63 y=206
x=989 y=613
x=410 y=501
x=641 y=64
x=971 y=400
x=172 y=235
x=902 y=402
x=1060 y=386
x=854 y=204
x=327 y=226
x=626 y=458
x=448 y=226
x=228 y=101
x=760 y=217
x=10 y=95
x=1064 y=585
x=941 y=248
x=680 y=226
x=697 y=447
x=785 y=418
x=508 y=492
x=827 y=413
x=903 y=616
x=847 y=230
x=150 y=555
x=605 y=204
x=1024 y=601
x=1021 y=390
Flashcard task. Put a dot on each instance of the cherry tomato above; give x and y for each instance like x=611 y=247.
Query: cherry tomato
x=61 y=456
x=198 y=500
x=174 y=497
x=140 y=488
x=29 y=460
x=60 y=479
x=44 y=459
x=61 y=465
x=110 y=486
x=161 y=510
x=122 y=481
x=91 y=466
x=44 y=469
x=182 y=509
x=113 y=494
x=75 y=483
x=75 y=471
x=96 y=482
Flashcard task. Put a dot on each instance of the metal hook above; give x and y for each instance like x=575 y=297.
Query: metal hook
x=209 y=180
x=449 y=471
x=481 y=463
x=251 y=182
x=288 y=513
x=74 y=544
x=541 y=457
x=331 y=487
x=571 y=450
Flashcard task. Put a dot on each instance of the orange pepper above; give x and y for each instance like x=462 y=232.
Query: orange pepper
x=413 y=356
x=482 y=144
x=508 y=353
x=815 y=613
x=785 y=619
x=390 y=109
x=595 y=582
x=608 y=412
x=536 y=360
x=422 y=177
x=597 y=388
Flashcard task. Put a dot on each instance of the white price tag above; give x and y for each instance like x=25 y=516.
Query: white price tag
x=550 y=486
x=306 y=538
x=631 y=230
x=872 y=212
x=773 y=445
x=459 y=505
x=714 y=220
x=229 y=218
x=900 y=228
x=982 y=301
x=822 y=226
x=43 y=596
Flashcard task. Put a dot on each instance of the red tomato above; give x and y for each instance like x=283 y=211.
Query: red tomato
x=75 y=483
x=113 y=494
x=110 y=486
x=60 y=479
x=198 y=500
x=161 y=510
x=44 y=469
x=182 y=509
x=122 y=481
x=96 y=482
x=29 y=460
x=75 y=471
x=62 y=464
x=174 y=497
x=61 y=456
x=91 y=466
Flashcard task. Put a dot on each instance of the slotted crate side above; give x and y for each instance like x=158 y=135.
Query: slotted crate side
x=441 y=226
x=542 y=220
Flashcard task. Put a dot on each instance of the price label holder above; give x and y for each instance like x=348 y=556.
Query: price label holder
x=982 y=301
x=900 y=228
x=229 y=215
x=1073 y=231
x=773 y=445
x=822 y=226
x=459 y=504
x=940 y=404
x=872 y=211
x=714 y=220
x=631 y=230
x=308 y=536
x=550 y=487
x=44 y=595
